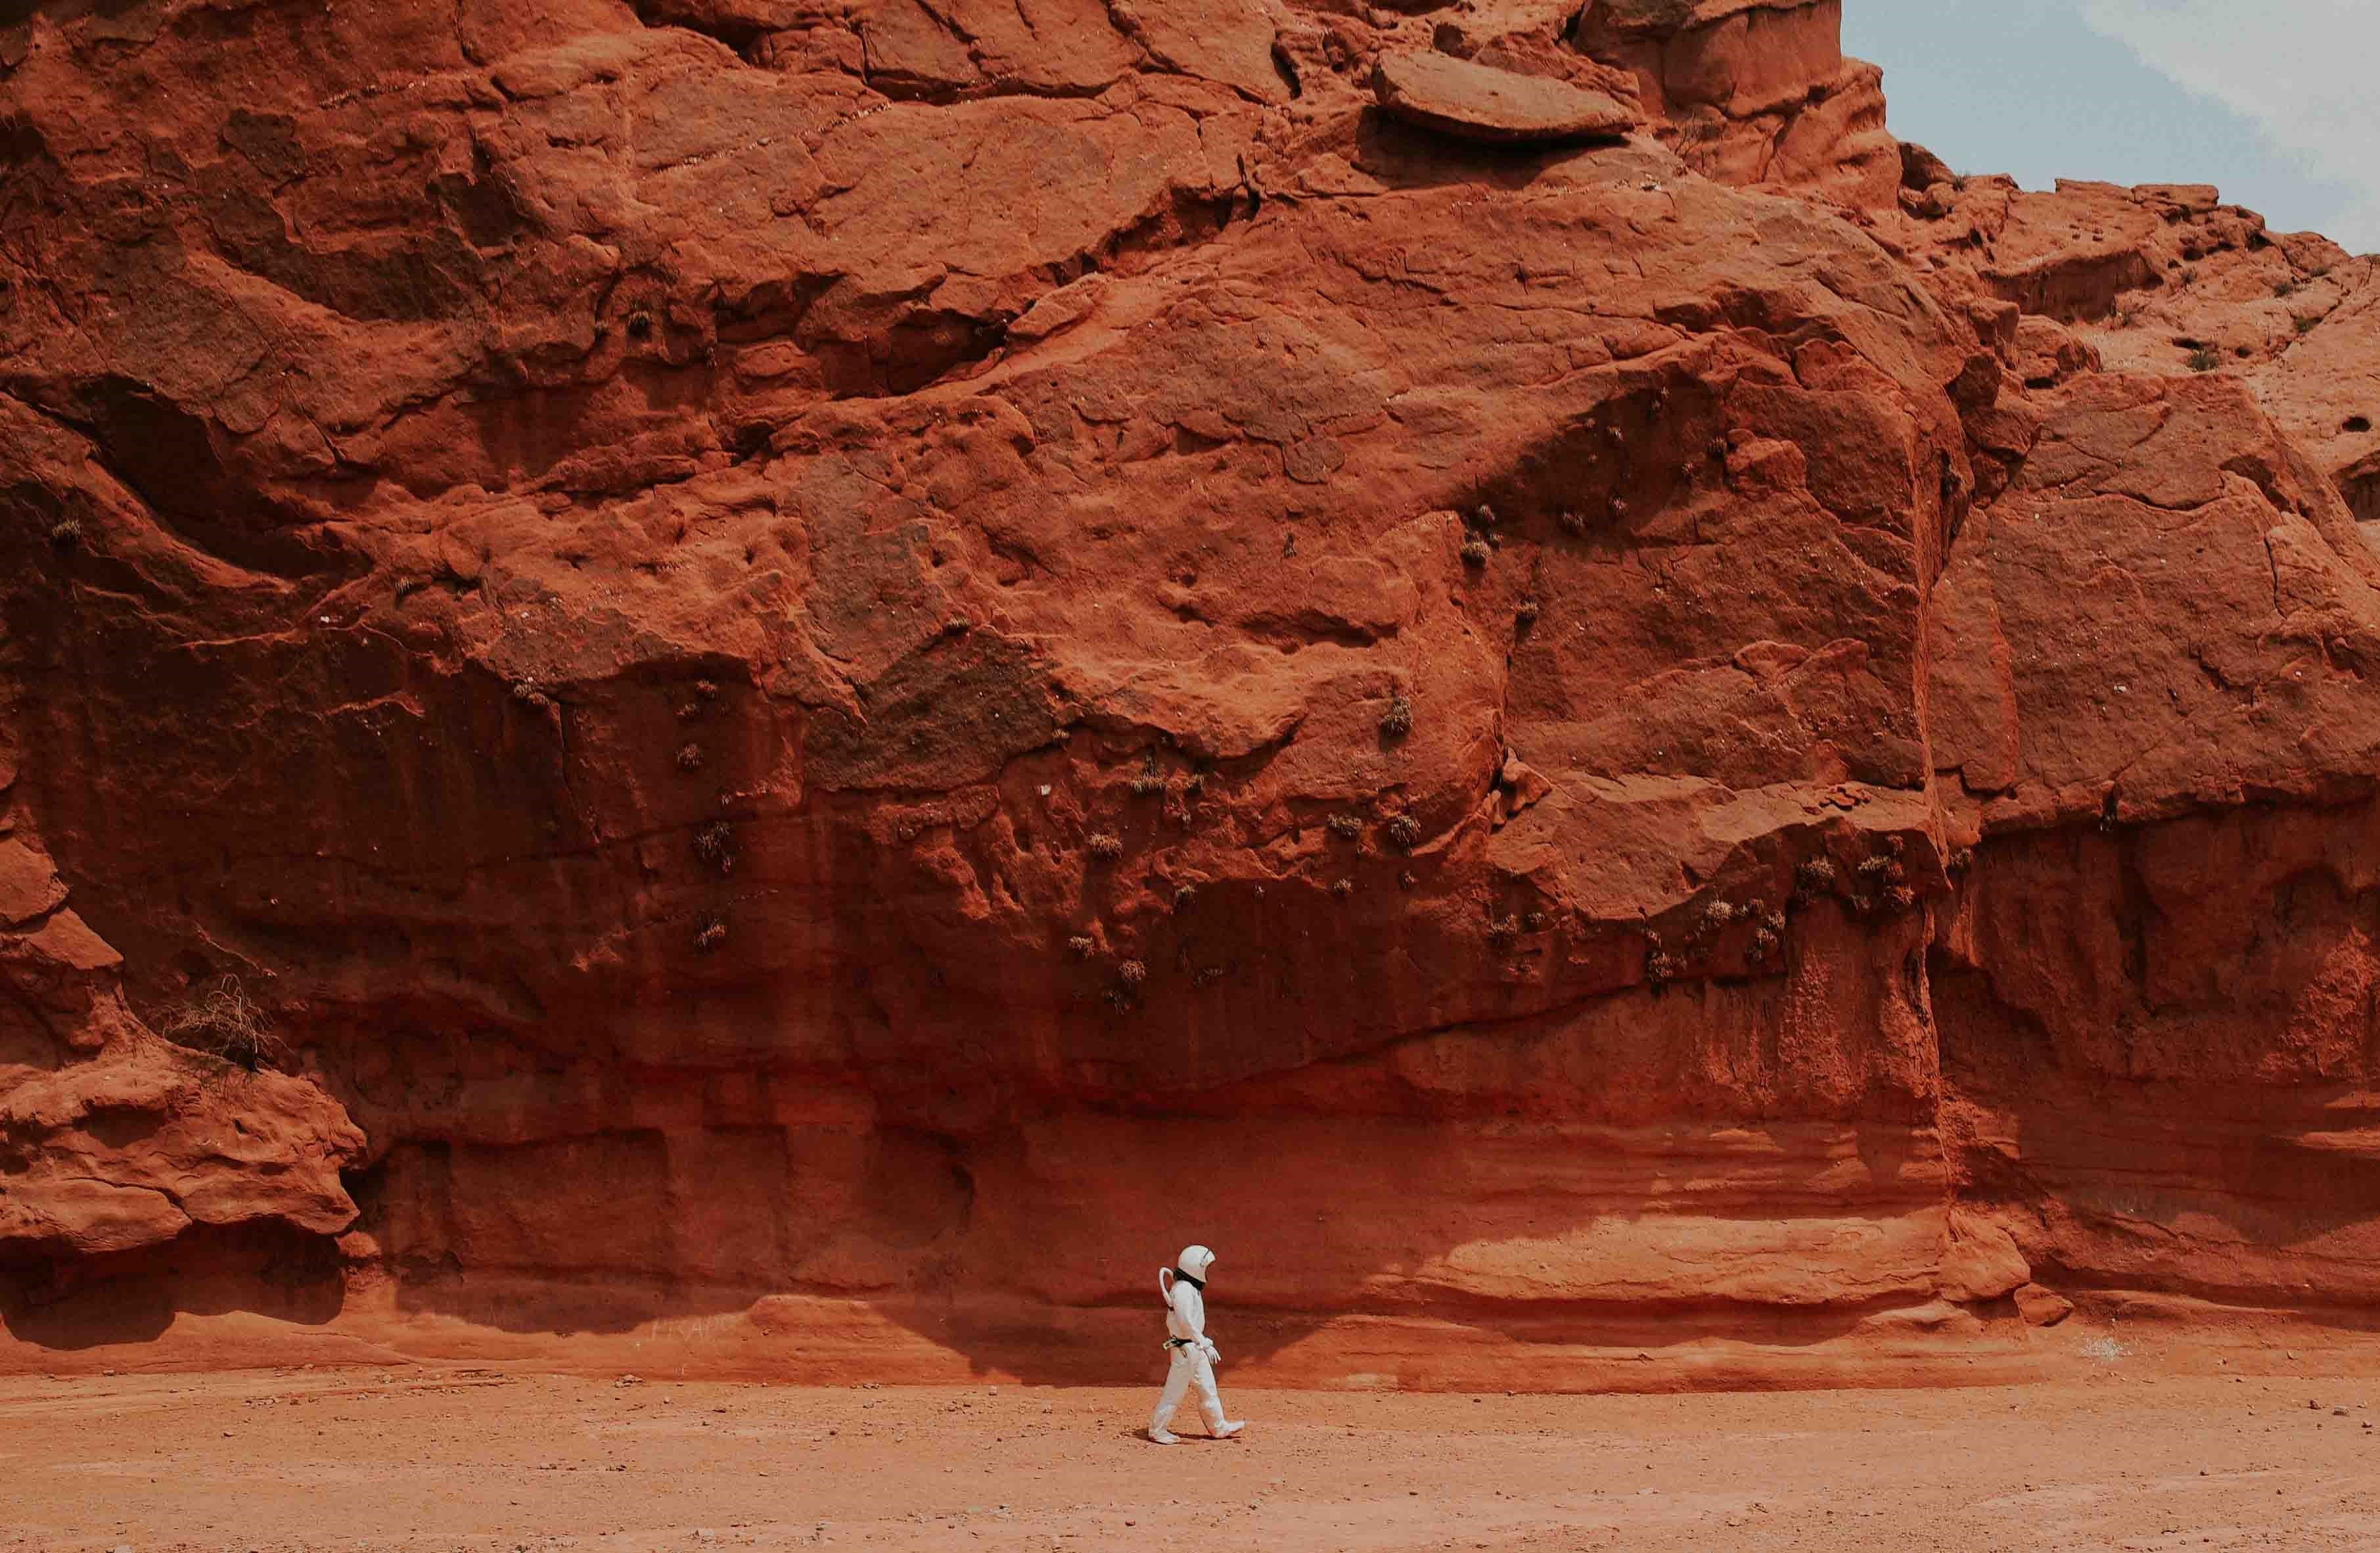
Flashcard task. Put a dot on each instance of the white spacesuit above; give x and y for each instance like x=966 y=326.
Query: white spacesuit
x=1193 y=1356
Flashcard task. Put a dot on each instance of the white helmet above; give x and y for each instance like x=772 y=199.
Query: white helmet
x=1195 y=1260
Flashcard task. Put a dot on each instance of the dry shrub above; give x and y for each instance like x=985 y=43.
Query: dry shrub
x=225 y=1021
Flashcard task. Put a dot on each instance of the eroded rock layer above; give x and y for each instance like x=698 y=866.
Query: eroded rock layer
x=783 y=688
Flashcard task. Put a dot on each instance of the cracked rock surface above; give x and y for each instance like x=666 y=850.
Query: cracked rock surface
x=834 y=673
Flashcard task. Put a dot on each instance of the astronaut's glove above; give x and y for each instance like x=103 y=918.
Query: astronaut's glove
x=1214 y=1354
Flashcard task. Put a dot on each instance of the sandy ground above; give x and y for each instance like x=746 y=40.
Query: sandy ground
x=421 y=1459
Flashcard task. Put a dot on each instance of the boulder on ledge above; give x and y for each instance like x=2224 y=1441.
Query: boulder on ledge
x=1480 y=103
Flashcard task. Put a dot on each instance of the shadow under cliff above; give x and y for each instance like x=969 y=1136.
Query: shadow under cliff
x=269 y=1268
x=1307 y=1247
x=1447 y=1181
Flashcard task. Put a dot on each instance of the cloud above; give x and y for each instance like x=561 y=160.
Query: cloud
x=2300 y=70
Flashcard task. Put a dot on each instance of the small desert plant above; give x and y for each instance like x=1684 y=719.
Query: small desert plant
x=65 y=532
x=1476 y=552
x=689 y=757
x=1182 y=895
x=713 y=934
x=1398 y=721
x=1194 y=785
x=1404 y=831
x=2204 y=361
x=2306 y=325
x=1719 y=914
x=1132 y=973
x=1570 y=522
x=1816 y=875
x=223 y=1022
x=1902 y=896
x=1346 y=827
x=1962 y=860
x=1772 y=920
x=1406 y=880
x=1148 y=783
x=2286 y=288
x=1533 y=922
x=1526 y=615
x=1659 y=968
x=1484 y=516
x=715 y=845
x=1882 y=865
x=689 y=711
x=1105 y=845
x=1342 y=888
x=1762 y=944
x=1083 y=946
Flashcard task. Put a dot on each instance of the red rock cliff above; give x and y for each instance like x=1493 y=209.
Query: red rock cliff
x=834 y=673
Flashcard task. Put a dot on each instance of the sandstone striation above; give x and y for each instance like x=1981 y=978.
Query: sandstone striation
x=833 y=673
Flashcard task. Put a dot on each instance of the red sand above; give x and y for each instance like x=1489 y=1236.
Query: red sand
x=480 y=1458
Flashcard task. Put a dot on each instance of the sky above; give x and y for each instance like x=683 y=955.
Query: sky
x=2276 y=101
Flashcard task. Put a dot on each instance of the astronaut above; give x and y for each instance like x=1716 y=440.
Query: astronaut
x=1193 y=1356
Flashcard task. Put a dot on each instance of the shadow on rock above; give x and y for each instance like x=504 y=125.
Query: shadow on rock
x=268 y=1269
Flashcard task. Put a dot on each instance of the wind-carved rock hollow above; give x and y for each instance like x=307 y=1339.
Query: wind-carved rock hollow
x=778 y=689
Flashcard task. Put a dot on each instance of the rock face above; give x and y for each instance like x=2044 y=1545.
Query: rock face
x=2166 y=280
x=1755 y=91
x=846 y=673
